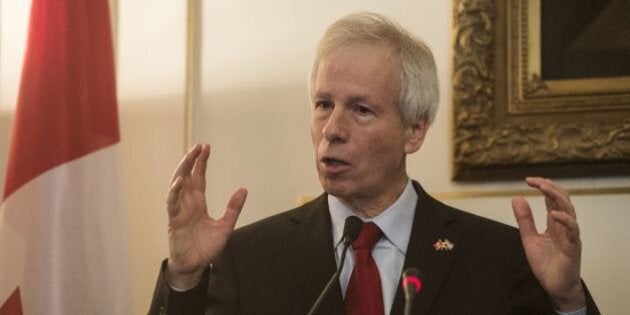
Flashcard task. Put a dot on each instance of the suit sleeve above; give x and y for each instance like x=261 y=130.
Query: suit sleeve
x=167 y=301
x=215 y=293
x=591 y=307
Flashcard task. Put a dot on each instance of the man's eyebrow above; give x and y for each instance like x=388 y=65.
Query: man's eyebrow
x=350 y=99
x=357 y=99
x=321 y=94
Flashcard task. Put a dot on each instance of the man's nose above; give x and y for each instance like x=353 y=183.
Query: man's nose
x=335 y=128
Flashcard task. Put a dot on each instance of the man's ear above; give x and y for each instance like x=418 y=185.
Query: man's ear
x=416 y=134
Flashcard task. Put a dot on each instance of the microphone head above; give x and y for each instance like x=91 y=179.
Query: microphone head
x=351 y=229
x=411 y=280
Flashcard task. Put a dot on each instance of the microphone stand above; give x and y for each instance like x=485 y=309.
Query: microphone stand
x=351 y=230
x=331 y=282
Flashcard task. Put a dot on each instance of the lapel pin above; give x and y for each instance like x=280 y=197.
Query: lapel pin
x=443 y=244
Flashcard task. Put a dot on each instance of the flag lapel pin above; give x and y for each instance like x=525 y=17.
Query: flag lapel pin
x=443 y=245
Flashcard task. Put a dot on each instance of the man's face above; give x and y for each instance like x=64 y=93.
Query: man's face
x=359 y=139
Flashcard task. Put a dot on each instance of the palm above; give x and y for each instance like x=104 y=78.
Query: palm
x=548 y=260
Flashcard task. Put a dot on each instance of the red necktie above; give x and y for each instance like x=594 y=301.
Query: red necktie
x=364 y=296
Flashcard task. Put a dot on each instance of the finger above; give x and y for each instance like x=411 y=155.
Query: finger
x=572 y=229
x=173 y=195
x=560 y=199
x=563 y=198
x=187 y=162
x=556 y=198
x=524 y=217
x=201 y=161
x=234 y=207
x=548 y=186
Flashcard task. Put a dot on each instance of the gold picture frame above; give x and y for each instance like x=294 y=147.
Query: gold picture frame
x=510 y=123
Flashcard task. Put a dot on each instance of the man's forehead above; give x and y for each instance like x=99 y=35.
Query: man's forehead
x=362 y=62
x=374 y=57
x=357 y=47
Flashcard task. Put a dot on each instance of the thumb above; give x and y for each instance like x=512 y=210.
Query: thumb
x=524 y=217
x=234 y=207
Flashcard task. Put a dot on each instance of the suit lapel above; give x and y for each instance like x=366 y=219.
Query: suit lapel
x=309 y=246
x=430 y=224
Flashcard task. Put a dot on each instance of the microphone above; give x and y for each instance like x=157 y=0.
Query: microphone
x=351 y=229
x=411 y=285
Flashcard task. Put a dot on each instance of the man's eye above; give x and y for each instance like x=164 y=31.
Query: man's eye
x=323 y=105
x=362 y=109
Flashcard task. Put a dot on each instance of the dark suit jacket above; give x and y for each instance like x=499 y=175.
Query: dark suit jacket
x=280 y=264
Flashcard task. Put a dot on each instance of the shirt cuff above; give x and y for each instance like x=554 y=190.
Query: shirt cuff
x=581 y=311
x=176 y=289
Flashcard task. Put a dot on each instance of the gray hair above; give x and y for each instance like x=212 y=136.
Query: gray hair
x=419 y=93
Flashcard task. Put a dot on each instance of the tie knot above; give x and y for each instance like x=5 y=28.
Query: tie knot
x=370 y=234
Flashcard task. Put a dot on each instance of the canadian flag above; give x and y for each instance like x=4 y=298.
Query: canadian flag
x=63 y=231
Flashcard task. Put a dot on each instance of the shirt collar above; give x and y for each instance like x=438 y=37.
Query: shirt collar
x=395 y=221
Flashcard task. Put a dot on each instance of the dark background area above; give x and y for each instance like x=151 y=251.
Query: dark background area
x=585 y=39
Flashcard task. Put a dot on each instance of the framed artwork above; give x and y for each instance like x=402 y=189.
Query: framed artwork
x=541 y=88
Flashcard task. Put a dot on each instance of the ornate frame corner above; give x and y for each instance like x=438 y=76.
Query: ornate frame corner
x=509 y=123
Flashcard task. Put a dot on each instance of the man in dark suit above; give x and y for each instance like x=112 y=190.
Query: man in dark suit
x=374 y=92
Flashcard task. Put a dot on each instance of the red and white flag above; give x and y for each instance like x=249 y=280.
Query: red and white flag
x=63 y=231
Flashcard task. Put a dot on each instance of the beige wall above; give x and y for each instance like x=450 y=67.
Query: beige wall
x=253 y=109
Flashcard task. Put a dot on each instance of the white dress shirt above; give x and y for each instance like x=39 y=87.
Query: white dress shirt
x=389 y=252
